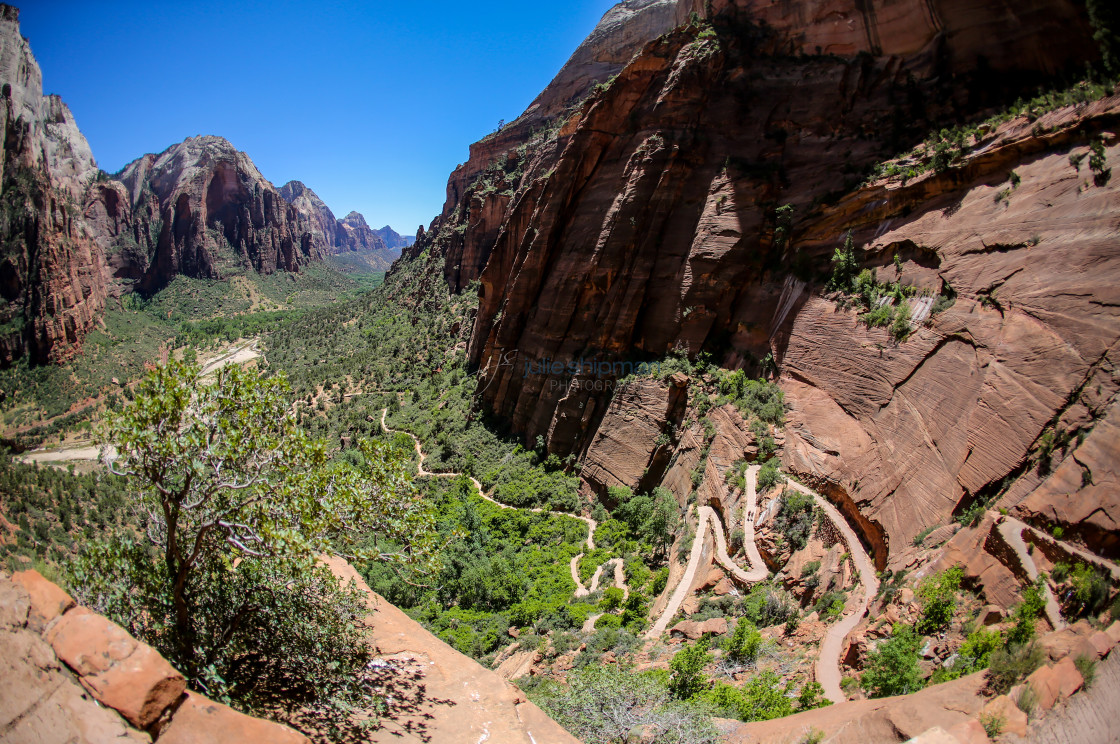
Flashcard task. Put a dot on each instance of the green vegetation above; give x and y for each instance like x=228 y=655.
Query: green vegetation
x=1012 y=664
x=755 y=399
x=236 y=503
x=892 y=668
x=938 y=596
x=43 y=400
x=796 y=517
x=1026 y=612
x=55 y=511
x=687 y=679
x=604 y=704
x=1087 y=667
x=744 y=644
x=947 y=147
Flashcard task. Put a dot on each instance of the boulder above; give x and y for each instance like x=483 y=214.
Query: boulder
x=1100 y=643
x=1066 y=677
x=1015 y=720
x=1113 y=632
x=1045 y=687
x=121 y=672
x=969 y=732
x=991 y=615
x=693 y=630
x=202 y=721
x=48 y=600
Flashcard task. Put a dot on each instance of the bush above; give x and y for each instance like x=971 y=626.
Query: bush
x=745 y=642
x=892 y=668
x=1087 y=667
x=795 y=518
x=1011 y=665
x=763 y=698
x=602 y=704
x=769 y=476
x=687 y=666
x=1026 y=612
x=938 y=597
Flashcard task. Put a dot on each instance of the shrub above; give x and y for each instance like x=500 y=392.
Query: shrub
x=768 y=476
x=602 y=704
x=745 y=642
x=1011 y=664
x=892 y=668
x=938 y=597
x=612 y=599
x=1026 y=612
x=993 y=724
x=795 y=518
x=843 y=266
x=1087 y=667
x=687 y=666
x=763 y=698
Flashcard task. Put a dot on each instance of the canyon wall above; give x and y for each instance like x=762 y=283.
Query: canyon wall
x=51 y=281
x=644 y=223
x=350 y=234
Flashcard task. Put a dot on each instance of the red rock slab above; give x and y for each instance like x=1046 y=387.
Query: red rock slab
x=969 y=732
x=693 y=630
x=1113 y=632
x=121 y=672
x=1014 y=720
x=890 y=719
x=1067 y=677
x=202 y=721
x=1101 y=643
x=48 y=600
x=463 y=702
x=1045 y=687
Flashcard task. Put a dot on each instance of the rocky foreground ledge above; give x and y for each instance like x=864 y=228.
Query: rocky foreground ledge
x=70 y=675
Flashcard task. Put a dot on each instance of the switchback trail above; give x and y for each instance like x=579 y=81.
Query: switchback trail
x=1012 y=532
x=828 y=656
x=591 y=524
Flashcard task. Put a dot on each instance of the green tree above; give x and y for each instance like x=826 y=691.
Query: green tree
x=1026 y=612
x=938 y=597
x=843 y=266
x=745 y=642
x=237 y=505
x=892 y=668
x=687 y=666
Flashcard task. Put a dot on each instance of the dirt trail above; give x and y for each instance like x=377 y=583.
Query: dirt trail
x=1012 y=532
x=683 y=586
x=828 y=657
x=591 y=524
x=1080 y=552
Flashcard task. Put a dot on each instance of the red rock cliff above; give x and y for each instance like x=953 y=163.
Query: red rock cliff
x=645 y=223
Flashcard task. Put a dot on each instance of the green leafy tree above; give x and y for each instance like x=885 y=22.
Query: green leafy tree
x=687 y=666
x=938 y=597
x=1026 y=612
x=892 y=668
x=236 y=505
x=745 y=643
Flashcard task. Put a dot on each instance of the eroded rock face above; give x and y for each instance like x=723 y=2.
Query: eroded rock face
x=51 y=281
x=351 y=233
x=646 y=223
x=212 y=211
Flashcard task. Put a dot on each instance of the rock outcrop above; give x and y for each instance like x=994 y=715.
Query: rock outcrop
x=52 y=288
x=351 y=233
x=646 y=222
x=67 y=674
x=201 y=208
x=394 y=240
x=452 y=699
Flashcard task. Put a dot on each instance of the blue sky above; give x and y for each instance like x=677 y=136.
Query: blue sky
x=372 y=105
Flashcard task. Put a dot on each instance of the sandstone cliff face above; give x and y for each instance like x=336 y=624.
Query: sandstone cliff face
x=394 y=240
x=51 y=281
x=351 y=233
x=212 y=212
x=646 y=223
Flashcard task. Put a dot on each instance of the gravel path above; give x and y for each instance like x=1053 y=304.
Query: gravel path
x=1012 y=532
x=828 y=657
